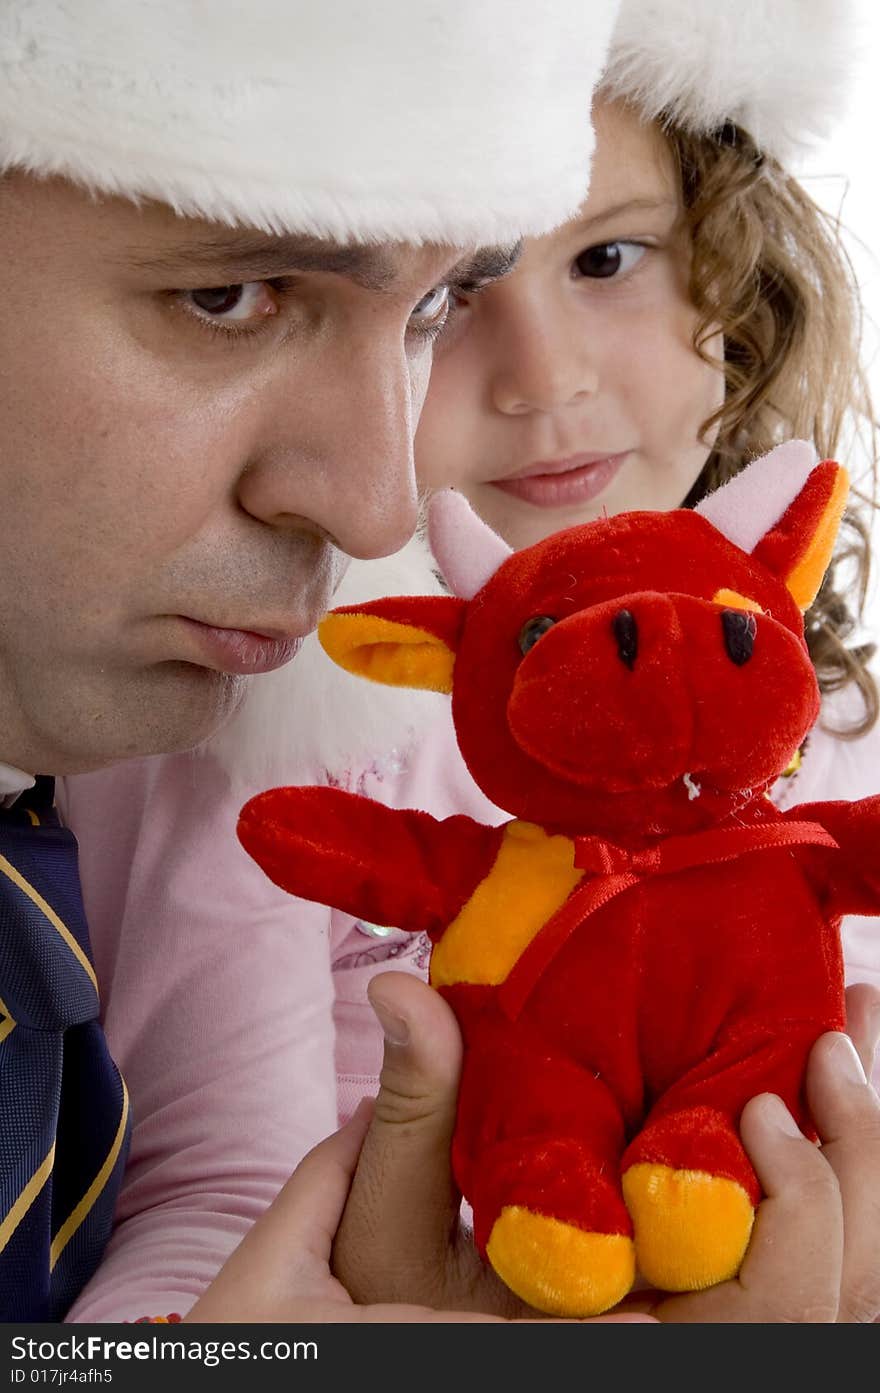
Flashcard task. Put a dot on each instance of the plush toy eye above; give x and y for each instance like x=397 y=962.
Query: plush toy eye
x=532 y=630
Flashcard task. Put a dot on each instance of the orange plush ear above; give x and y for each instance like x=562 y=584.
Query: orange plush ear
x=798 y=548
x=409 y=641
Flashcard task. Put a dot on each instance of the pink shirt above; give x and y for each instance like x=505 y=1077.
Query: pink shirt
x=235 y=1010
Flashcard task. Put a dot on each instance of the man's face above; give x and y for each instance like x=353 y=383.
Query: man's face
x=195 y=424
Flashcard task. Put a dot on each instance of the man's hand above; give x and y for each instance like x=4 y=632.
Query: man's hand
x=812 y=1253
x=281 y=1270
x=401 y=1233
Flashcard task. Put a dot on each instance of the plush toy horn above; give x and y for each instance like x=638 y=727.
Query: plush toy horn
x=466 y=550
x=784 y=509
x=752 y=501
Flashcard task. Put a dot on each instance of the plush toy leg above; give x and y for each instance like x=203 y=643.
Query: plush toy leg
x=560 y=1235
x=688 y=1183
x=691 y=1192
x=537 y=1153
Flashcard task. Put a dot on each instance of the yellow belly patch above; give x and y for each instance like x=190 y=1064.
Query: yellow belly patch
x=532 y=876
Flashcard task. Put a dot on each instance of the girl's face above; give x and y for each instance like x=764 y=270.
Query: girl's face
x=571 y=389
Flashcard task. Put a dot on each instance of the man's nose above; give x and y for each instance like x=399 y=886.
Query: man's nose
x=544 y=359
x=337 y=449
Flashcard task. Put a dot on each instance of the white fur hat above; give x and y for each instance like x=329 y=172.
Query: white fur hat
x=420 y=120
x=780 y=69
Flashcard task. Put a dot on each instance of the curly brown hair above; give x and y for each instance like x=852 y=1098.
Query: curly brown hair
x=770 y=270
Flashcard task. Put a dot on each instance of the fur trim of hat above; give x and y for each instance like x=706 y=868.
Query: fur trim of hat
x=780 y=69
x=311 y=722
x=413 y=120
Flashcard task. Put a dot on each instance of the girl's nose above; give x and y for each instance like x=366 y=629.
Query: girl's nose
x=546 y=365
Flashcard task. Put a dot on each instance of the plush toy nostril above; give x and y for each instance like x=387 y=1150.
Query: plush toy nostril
x=626 y=634
x=739 y=634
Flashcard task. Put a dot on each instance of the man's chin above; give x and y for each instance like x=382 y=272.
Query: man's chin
x=192 y=715
x=169 y=710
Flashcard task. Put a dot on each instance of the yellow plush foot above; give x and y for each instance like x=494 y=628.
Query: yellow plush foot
x=691 y=1229
x=558 y=1268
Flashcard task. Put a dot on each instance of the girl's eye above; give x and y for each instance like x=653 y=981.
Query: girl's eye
x=232 y=303
x=609 y=259
x=431 y=311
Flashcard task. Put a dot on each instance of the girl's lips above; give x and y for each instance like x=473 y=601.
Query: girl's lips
x=565 y=481
x=240 y=650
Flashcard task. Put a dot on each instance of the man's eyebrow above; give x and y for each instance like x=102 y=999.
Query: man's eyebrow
x=224 y=260
x=630 y=205
x=486 y=265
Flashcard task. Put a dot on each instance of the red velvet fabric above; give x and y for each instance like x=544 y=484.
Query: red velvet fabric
x=335 y=847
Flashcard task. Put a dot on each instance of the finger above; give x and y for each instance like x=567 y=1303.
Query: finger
x=846 y=1111
x=863 y=1022
x=403 y=1206
x=792 y=1269
x=287 y=1251
x=307 y=1210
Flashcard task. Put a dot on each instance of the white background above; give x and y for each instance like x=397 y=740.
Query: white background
x=843 y=175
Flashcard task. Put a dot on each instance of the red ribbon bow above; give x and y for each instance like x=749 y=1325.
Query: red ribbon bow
x=616 y=868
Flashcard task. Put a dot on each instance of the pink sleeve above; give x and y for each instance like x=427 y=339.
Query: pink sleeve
x=218 y=1009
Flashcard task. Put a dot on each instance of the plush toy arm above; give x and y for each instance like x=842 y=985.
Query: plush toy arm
x=846 y=879
x=390 y=866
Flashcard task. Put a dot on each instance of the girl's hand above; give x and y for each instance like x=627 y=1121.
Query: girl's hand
x=812 y=1256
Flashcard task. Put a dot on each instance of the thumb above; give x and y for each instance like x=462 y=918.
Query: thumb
x=423 y=1052
x=415 y=1111
x=403 y=1205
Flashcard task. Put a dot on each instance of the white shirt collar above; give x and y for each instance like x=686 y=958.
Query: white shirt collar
x=13 y=782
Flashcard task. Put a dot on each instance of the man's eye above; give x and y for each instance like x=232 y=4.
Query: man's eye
x=609 y=259
x=232 y=303
x=432 y=309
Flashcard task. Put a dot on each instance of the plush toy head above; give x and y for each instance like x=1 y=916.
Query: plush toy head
x=638 y=675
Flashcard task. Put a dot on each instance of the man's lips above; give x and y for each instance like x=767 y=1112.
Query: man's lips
x=551 y=483
x=241 y=651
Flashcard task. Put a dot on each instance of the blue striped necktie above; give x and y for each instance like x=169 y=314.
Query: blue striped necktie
x=64 y=1124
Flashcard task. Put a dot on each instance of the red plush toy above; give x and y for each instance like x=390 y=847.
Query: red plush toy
x=649 y=942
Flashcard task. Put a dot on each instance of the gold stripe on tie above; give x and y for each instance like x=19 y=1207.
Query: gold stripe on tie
x=18 y=879
x=7 y=1026
x=73 y=1220
x=26 y=1198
